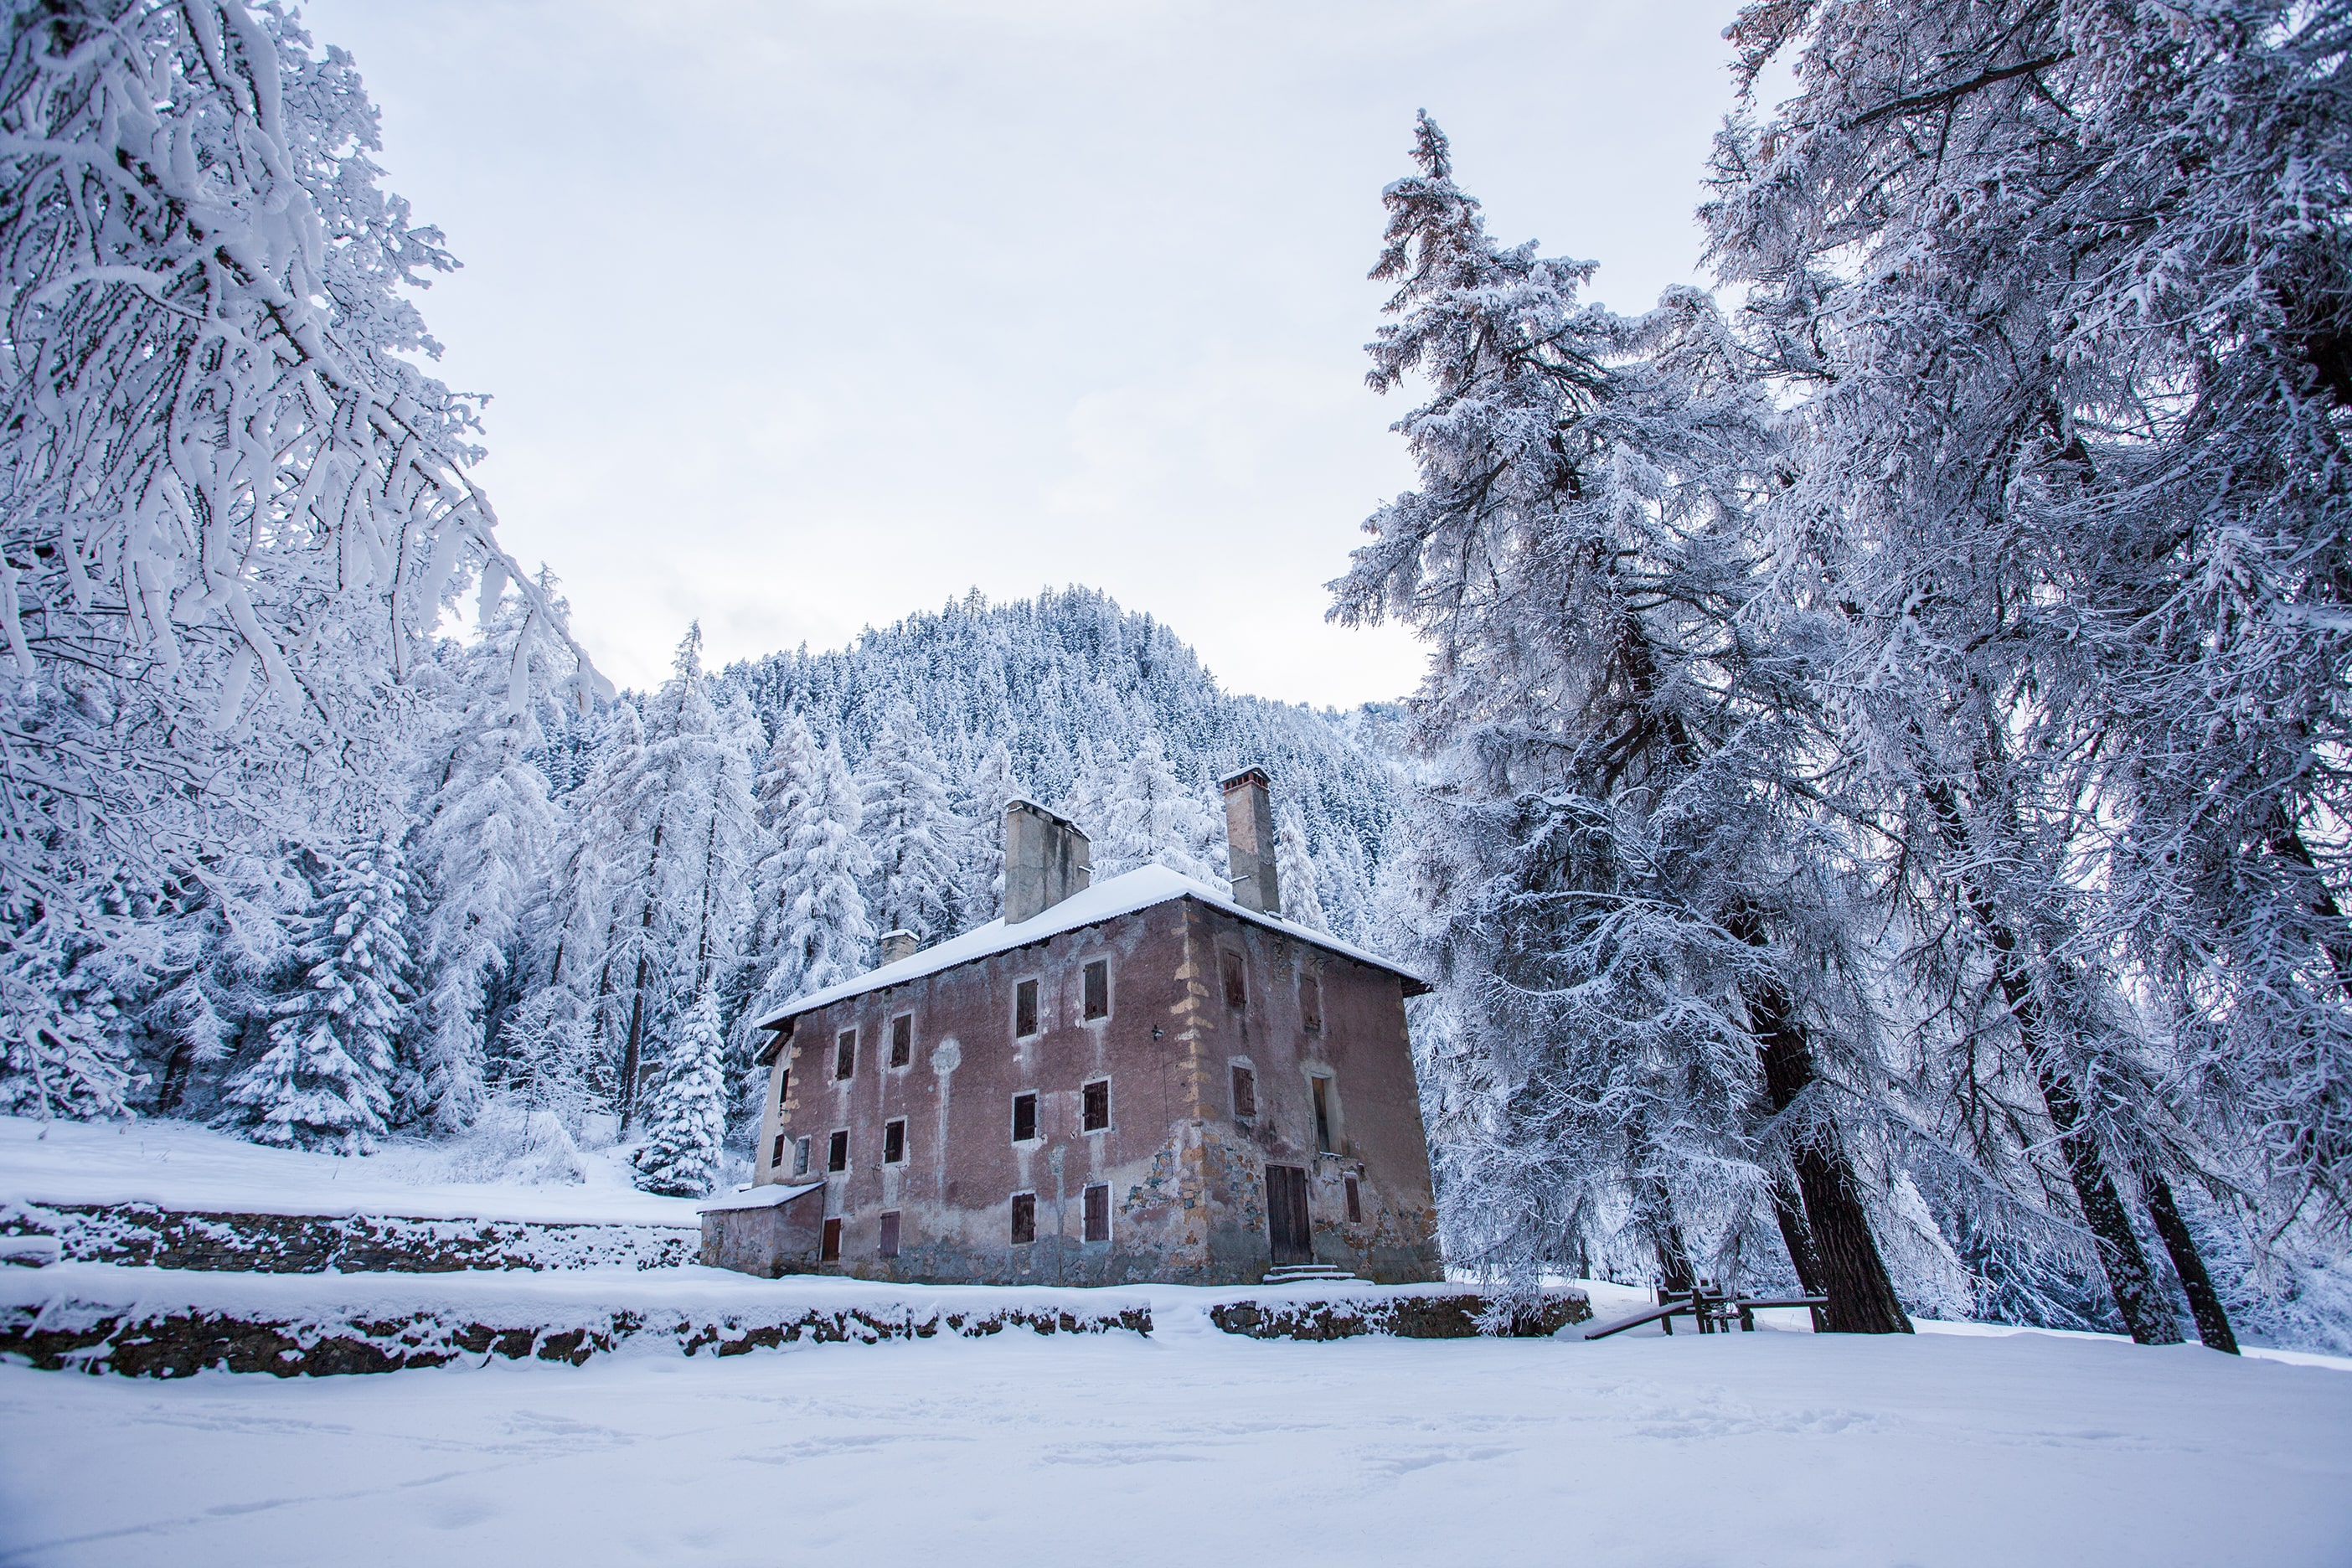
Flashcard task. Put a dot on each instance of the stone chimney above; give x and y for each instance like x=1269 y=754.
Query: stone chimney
x=1249 y=840
x=1047 y=859
x=899 y=944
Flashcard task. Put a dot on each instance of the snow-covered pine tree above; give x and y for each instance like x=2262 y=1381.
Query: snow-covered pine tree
x=1151 y=818
x=686 y=1116
x=207 y=367
x=814 y=929
x=325 y=1080
x=1631 y=942
x=913 y=830
x=1295 y=870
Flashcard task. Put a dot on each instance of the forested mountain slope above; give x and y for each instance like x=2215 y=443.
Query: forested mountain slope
x=1074 y=687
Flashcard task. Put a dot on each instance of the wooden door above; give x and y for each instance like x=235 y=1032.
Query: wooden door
x=1285 y=1215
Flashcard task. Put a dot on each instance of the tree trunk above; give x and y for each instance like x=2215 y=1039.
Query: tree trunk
x=1675 y=1274
x=629 y=1057
x=2204 y=1301
x=636 y=1040
x=2137 y=1294
x=1787 y=1208
x=1846 y=1258
x=1853 y=1275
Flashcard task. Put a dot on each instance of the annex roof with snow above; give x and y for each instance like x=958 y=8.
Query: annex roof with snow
x=1151 y=1080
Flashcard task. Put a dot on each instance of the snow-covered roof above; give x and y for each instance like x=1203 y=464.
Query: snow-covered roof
x=1122 y=895
x=759 y=1197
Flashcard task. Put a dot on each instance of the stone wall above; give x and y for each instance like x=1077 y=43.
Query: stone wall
x=180 y=1341
x=1445 y=1315
x=146 y=1235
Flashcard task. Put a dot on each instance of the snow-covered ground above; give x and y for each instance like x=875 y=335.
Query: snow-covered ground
x=1193 y=1447
x=182 y=1166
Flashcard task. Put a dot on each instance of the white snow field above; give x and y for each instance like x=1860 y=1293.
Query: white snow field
x=1967 y=1445
x=182 y=1166
x=1194 y=1447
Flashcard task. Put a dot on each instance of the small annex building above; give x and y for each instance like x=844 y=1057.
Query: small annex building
x=1143 y=1079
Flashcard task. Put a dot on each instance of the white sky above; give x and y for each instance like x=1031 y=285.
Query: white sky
x=801 y=316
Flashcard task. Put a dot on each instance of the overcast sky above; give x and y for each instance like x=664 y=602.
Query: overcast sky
x=799 y=317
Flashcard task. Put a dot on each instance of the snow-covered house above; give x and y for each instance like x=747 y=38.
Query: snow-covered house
x=1147 y=1079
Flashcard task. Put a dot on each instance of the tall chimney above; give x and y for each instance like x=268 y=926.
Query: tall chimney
x=1047 y=858
x=898 y=944
x=1249 y=840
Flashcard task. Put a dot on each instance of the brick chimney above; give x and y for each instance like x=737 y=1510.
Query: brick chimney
x=1249 y=840
x=898 y=944
x=1047 y=858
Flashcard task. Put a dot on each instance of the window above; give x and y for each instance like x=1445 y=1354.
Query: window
x=800 y=1157
x=1024 y=1009
x=1098 y=1004
x=844 y=1054
x=1024 y=1118
x=1355 y=1203
x=1236 y=988
x=893 y=1142
x=830 y=1252
x=1024 y=1218
x=889 y=1248
x=783 y=1088
x=777 y=1158
x=1322 y=1113
x=1245 y=1092
x=836 y=1157
x=1310 y=1005
x=1098 y=1212
x=902 y=1040
x=1095 y=1099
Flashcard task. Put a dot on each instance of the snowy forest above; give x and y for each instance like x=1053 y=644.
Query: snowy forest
x=1875 y=817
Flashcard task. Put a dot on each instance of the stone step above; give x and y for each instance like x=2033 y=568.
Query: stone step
x=1295 y=1273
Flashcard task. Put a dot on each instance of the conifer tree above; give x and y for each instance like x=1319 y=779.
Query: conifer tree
x=234 y=505
x=487 y=830
x=992 y=787
x=1631 y=933
x=686 y=1117
x=324 y=1081
x=2036 y=397
x=1295 y=870
x=682 y=829
x=1151 y=819
x=814 y=925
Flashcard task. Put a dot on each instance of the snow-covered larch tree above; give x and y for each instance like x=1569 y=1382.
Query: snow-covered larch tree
x=1639 y=960
x=2020 y=469
x=486 y=833
x=232 y=510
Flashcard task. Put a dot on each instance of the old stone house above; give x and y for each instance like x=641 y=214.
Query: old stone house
x=1147 y=1079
